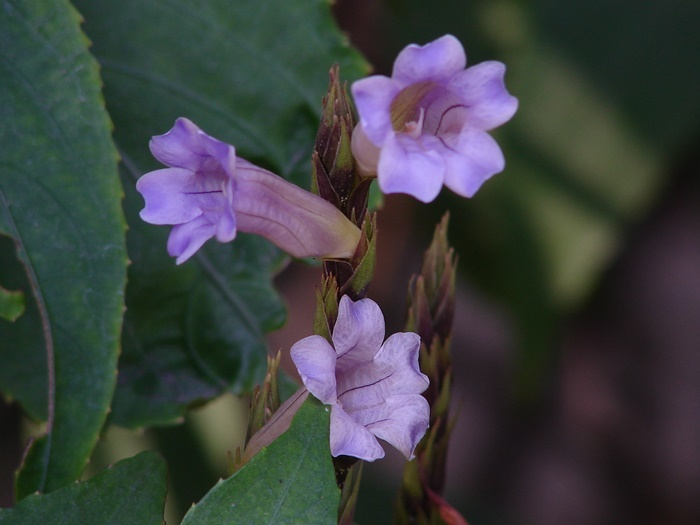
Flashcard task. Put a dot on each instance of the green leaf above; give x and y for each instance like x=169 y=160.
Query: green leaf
x=60 y=202
x=133 y=492
x=11 y=304
x=291 y=481
x=251 y=73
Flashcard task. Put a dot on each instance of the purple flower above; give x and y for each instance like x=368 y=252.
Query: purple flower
x=209 y=192
x=373 y=388
x=427 y=124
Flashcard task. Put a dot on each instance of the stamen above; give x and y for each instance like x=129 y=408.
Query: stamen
x=415 y=128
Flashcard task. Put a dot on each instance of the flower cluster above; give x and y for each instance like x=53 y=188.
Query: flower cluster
x=425 y=126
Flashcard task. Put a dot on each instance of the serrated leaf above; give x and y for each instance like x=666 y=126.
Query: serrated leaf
x=60 y=202
x=292 y=481
x=133 y=492
x=251 y=73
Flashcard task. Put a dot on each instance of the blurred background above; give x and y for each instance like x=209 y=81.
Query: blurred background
x=577 y=343
x=577 y=337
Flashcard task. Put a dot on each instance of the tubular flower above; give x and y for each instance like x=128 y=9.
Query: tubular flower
x=209 y=192
x=373 y=388
x=427 y=124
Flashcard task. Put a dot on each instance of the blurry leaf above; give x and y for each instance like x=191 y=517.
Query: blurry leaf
x=251 y=73
x=11 y=304
x=644 y=55
x=60 y=202
x=133 y=492
x=291 y=481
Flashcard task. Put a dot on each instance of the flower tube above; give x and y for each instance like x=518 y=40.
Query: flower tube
x=209 y=192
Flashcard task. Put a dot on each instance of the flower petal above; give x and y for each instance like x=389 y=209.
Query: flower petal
x=226 y=225
x=349 y=438
x=187 y=238
x=366 y=153
x=482 y=89
x=180 y=147
x=402 y=421
x=166 y=199
x=186 y=146
x=393 y=371
x=473 y=158
x=358 y=332
x=315 y=361
x=373 y=96
x=407 y=165
x=400 y=352
x=299 y=222
x=437 y=61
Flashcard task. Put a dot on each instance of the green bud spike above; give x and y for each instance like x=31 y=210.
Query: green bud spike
x=430 y=315
x=265 y=399
x=363 y=261
x=326 y=308
x=333 y=164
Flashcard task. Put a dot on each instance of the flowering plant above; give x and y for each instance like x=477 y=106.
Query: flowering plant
x=186 y=331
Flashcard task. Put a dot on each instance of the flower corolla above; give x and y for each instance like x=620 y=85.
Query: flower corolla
x=427 y=124
x=209 y=192
x=372 y=385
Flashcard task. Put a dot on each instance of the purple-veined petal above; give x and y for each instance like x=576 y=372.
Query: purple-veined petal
x=400 y=351
x=393 y=371
x=315 y=361
x=437 y=61
x=358 y=332
x=401 y=421
x=349 y=438
x=186 y=146
x=373 y=97
x=187 y=238
x=473 y=158
x=407 y=166
x=299 y=222
x=166 y=199
x=181 y=147
x=378 y=395
x=482 y=89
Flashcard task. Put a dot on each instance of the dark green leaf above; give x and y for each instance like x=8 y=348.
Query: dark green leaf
x=132 y=492
x=60 y=202
x=251 y=73
x=291 y=481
